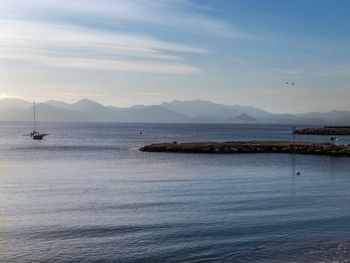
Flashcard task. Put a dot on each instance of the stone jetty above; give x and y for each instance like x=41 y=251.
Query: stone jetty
x=298 y=147
x=324 y=131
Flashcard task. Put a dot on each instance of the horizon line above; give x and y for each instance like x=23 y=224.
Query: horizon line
x=160 y=103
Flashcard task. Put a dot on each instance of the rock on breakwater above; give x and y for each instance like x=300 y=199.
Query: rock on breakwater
x=299 y=147
x=323 y=131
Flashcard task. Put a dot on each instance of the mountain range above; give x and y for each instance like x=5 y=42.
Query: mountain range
x=195 y=111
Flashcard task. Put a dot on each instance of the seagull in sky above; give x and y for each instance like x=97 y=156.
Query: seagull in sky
x=292 y=83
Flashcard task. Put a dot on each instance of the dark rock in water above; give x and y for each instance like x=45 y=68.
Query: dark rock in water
x=324 y=131
x=299 y=147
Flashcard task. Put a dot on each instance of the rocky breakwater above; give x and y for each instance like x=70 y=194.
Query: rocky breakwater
x=323 y=131
x=299 y=147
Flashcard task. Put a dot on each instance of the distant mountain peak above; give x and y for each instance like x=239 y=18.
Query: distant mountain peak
x=54 y=101
x=87 y=101
x=84 y=104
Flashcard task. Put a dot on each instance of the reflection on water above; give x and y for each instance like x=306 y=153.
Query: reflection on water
x=94 y=196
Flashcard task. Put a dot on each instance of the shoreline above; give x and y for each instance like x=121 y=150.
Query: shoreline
x=236 y=147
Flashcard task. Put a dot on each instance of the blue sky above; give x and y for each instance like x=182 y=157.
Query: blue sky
x=125 y=52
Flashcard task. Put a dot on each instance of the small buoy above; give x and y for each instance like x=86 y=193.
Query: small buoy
x=174 y=142
x=140 y=132
x=298 y=173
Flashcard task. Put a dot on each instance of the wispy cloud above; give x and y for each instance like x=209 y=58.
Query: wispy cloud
x=91 y=34
x=83 y=48
x=168 y=15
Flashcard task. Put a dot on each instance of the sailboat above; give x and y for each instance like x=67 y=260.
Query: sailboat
x=34 y=134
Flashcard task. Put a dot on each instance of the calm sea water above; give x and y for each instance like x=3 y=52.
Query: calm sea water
x=86 y=193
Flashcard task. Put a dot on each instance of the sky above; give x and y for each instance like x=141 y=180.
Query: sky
x=127 y=52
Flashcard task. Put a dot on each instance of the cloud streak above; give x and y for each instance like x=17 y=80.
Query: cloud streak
x=173 y=15
x=82 y=48
x=91 y=34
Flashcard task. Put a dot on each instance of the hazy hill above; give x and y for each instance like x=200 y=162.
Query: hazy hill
x=201 y=108
x=330 y=117
x=175 y=111
x=196 y=108
x=87 y=110
x=153 y=114
x=44 y=112
x=58 y=104
x=87 y=105
x=13 y=103
x=243 y=118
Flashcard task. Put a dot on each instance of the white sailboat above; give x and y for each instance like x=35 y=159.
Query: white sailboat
x=34 y=134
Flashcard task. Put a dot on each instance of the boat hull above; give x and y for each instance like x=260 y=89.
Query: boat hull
x=38 y=136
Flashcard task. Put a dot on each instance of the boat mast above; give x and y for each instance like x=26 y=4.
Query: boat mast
x=34 y=118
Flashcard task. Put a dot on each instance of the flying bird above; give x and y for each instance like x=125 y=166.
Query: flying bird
x=292 y=83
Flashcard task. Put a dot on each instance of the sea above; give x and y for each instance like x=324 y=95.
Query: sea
x=87 y=194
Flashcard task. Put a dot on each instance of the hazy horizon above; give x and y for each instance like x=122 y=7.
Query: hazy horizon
x=71 y=102
x=144 y=52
